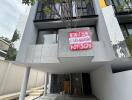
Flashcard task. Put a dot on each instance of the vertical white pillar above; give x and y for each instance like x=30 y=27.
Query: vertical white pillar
x=45 y=84
x=49 y=83
x=24 y=84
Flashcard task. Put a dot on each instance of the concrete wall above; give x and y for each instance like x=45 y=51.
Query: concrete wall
x=42 y=53
x=55 y=53
x=29 y=36
x=102 y=30
x=115 y=32
x=51 y=53
x=109 y=86
x=11 y=77
x=98 y=52
x=124 y=84
x=64 y=50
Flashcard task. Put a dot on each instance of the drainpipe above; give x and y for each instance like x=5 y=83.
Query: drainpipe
x=24 y=84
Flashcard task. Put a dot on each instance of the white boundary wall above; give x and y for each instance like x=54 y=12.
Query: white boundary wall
x=111 y=86
x=11 y=77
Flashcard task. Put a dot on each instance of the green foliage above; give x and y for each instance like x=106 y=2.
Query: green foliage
x=129 y=44
x=47 y=10
x=128 y=1
x=15 y=36
x=125 y=3
x=66 y=11
x=28 y=2
x=119 y=8
x=12 y=52
x=87 y=1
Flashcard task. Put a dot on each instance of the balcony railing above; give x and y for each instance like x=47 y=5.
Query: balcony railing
x=122 y=6
x=80 y=8
x=53 y=53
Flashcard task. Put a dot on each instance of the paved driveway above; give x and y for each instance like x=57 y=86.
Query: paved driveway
x=58 y=97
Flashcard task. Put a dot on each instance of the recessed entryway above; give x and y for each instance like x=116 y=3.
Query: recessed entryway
x=74 y=84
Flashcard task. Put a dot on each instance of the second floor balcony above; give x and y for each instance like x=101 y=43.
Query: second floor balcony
x=123 y=9
x=75 y=11
x=122 y=6
x=54 y=47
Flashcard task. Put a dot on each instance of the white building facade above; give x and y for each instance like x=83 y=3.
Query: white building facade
x=46 y=46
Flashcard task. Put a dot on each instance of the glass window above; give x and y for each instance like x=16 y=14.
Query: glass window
x=126 y=29
x=51 y=37
x=39 y=7
x=37 y=16
x=122 y=5
x=108 y=2
x=79 y=8
x=94 y=35
x=47 y=37
x=129 y=28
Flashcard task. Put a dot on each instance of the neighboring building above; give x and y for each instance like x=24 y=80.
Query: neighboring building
x=69 y=55
x=3 y=48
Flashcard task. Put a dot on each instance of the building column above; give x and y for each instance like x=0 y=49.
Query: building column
x=49 y=83
x=24 y=84
x=45 y=84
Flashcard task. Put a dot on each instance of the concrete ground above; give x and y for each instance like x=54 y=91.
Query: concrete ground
x=60 y=97
x=31 y=97
x=34 y=94
x=48 y=97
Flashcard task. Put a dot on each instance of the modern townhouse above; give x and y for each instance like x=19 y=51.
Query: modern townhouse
x=81 y=57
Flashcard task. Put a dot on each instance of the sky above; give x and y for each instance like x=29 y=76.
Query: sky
x=10 y=11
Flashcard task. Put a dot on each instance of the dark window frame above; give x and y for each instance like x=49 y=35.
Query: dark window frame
x=119 y=13
x=41 y=16
x=47 y=33
x=56 y=29
x=125 y=26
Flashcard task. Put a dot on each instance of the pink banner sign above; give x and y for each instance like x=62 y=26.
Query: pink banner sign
x=80 y=40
